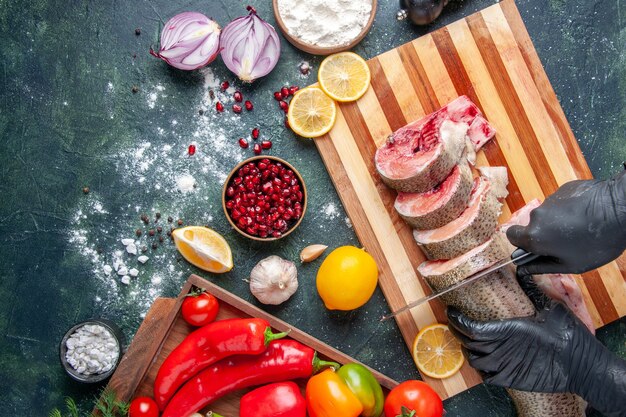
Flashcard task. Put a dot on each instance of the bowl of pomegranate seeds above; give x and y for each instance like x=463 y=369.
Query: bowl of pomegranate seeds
x=264 y=198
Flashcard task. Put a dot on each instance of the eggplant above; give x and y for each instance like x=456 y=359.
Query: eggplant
x=421 y=12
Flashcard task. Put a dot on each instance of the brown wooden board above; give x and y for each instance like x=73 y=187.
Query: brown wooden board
x=490 y=58
x=164 y=328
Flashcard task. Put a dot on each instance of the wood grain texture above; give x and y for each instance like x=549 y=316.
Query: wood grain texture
x=164 y=328
x=489 y=57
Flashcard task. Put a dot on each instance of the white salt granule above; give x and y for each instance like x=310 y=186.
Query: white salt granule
x=92 y=349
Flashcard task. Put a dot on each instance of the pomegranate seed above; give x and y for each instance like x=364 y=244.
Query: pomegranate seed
x=225 y=85
x=257 y=149
x=237 y=108
x=238 y=96
x=276 y=234
x=283 y=105
x=255 y=135
x=293 y=89
x=266 y=144
x=284 y=92
x=243 y=143
x=249 y=105
x=287 y=123
x=230 y=191
x=278 y=96
x=219 y=107
x=191 y=150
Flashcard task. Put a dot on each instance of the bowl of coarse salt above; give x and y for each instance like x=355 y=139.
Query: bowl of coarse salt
x=91 y=350
x=324 y=27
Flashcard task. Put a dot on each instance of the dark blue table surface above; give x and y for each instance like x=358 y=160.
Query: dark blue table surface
x=69 y=120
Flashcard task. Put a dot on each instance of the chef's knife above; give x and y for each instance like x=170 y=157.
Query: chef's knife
x=519 y=257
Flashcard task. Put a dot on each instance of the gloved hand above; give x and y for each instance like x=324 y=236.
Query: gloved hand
x=578 y=228
x=551 y=351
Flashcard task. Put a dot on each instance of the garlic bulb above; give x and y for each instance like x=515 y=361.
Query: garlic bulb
x=273 y=280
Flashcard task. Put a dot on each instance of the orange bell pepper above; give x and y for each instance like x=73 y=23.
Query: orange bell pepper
x=327 y=395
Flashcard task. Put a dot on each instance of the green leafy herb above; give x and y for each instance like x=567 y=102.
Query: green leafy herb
x=106 y=404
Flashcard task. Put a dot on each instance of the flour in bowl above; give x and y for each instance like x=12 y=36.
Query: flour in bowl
x=325 y=23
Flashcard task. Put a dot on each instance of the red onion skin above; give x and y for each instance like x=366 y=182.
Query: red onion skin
x=250 y=47
x=189 y=41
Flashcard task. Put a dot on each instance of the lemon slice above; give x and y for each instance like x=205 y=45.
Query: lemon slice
x=344 y=76
x=204 y=248
x=436 y=352
x=311 y=113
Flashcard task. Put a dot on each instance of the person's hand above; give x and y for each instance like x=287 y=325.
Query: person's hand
x=551 y=351
x=578 y=228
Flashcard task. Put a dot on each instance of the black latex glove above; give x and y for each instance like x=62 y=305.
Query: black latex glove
x=578 y=228
x=551 y=351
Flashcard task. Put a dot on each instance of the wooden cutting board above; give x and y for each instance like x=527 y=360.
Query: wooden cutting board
x=164 y=328
x=490 y=58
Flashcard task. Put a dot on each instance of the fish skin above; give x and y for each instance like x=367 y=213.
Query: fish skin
x=499 y=296
x=445 y=213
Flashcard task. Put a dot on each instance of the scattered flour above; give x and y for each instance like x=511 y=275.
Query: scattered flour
x=154 y=95
x=185 y=183
x=330 y=210
x=161 y=177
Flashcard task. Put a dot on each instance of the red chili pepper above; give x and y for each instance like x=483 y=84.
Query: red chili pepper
x=208 y=345
x=282 y=399
x=283 y=360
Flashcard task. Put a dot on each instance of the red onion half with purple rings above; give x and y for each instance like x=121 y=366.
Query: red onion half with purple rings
x=189 y=40
x=250 y=46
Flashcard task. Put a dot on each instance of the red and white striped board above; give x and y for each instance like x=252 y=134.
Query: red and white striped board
x=490 y=58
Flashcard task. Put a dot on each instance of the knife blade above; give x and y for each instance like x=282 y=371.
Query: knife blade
x=519 y=257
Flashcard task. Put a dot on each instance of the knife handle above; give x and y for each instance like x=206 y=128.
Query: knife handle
x=528 y=257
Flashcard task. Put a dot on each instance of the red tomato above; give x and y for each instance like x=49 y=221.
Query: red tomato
x=143 y=407
x=416 y=396
x=200 y=309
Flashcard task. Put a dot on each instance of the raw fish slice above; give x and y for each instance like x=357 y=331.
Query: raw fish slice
x=438 y=206
x=416 y=160
x=475 y=226
x=421 y=155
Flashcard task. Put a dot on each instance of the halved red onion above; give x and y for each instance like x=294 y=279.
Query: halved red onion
x=189 y=40
x=250 y=46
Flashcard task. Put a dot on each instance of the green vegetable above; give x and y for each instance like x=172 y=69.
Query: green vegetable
x=365 y=387
x=107 y=405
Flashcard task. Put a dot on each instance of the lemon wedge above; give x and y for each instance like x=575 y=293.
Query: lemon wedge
x=204 y=248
